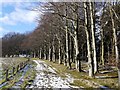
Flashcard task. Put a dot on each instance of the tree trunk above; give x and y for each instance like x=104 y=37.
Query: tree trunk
x=119 y=78
x=115 y=44
x=65 y=61
x=113 y=47
x=64 y=56
x=77 y=56
x=93 y=38
x=60 y=62
x=102 y=48
x=40 y=54
x=108 y=52
x=67 y=49
x=76 y=52
x=50 y=54
x=53 y=52
x=90 y=65
x=72 y=50
x=44 y=53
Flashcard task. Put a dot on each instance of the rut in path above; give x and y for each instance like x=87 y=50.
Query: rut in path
x=47 y=78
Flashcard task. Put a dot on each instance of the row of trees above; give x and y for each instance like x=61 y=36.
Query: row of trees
x=11 y=44
x=72 y=32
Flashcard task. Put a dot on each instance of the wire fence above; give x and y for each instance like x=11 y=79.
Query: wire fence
x=6 y=74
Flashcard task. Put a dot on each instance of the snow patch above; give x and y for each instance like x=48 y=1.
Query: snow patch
x=47 y=78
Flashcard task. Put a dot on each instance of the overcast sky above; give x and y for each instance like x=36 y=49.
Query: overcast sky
x=17 y=17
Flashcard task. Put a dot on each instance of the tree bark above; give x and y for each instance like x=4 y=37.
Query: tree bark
x=72 y=50
x=50 y=53
x=93 y=37
x=53 y=52
x=108 y=52
x=60 y=61
x=77 y=56
x=40 y=54
x=67 y=43
x=44 y=53
x=102 y=48
x=67 y=49
x=76 y=52
x=90 y=65
x=119 y=78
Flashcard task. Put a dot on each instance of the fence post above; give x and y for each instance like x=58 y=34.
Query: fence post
x=20 y=65
x=6 y=74
x=13 y=71
x=17 y=68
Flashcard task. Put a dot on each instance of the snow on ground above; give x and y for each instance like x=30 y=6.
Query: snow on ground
x=47 y=78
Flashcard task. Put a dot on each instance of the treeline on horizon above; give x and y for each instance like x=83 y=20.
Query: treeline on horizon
x=71 y=32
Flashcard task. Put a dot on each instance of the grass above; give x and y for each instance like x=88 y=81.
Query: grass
x=29 y=77
x=82 y=78
x=12 y=82
x=34 y=58
x=60 y=68
x=1 y=81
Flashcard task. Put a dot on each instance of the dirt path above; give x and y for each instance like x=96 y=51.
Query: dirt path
x=47 y=78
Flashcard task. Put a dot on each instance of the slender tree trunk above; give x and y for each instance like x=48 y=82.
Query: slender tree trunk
x=60 y=62
x=64 y=56
x=67 y=49
x=67 y=43
x=102 y=48
x=50 y=53
x=119 y=76
x=65 y=61
x=90 y=65
x=93 y=38
x=115 y=44
x=53 y=52
x=77 y=55
x=44 y=53
x=76 y=52
x=72 y=50
x=113 y=47
x=108 y=52
x=40 y=54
